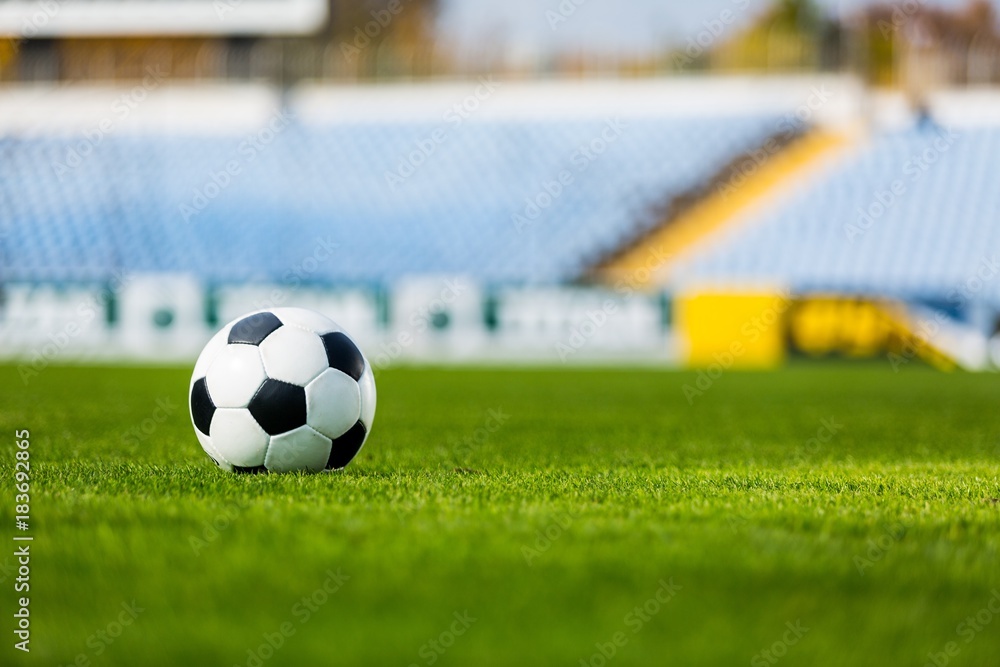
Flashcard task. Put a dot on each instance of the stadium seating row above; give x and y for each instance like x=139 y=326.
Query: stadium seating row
x=513 y=201
x=913 y=215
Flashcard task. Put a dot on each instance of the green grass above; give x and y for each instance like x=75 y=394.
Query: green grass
x=881 y=541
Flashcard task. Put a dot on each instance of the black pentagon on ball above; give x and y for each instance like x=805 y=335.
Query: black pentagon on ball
x=202 y=407
x=343 y=354
x=279 y=406
x=249 y=470
x=346 y=447
x=253 y=329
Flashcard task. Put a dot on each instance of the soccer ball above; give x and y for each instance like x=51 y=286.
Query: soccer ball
x=281 y=390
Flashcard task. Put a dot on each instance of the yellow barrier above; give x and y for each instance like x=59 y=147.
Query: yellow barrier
x=732 y=330
x=856 y=327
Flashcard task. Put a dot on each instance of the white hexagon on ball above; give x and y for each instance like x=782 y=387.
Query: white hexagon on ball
x=333 y=403
x=300 y=449
x=293 y=355
x=206 y=444
x=215 y=345
x=235 y=375
x=238 y=437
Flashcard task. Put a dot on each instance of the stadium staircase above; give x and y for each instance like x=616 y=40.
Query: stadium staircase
x=693 y=219
x=905 y=223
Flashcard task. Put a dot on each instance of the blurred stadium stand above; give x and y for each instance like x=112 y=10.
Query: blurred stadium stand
x=535 y=188
x=375 y=202
x=912 y=216
x=909 y=218
x=480 y=204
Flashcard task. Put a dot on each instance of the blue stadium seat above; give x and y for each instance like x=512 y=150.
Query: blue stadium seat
x=121 y=205
x=836 y=235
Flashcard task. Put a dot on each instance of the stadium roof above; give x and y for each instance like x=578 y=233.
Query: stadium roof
x=106 y=18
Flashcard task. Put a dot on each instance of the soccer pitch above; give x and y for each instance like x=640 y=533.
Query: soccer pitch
x=821 y=515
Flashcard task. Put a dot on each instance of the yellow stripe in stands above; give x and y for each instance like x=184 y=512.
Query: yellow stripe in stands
x=649 y=259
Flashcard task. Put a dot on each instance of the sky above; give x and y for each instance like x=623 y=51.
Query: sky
x=612 y=26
